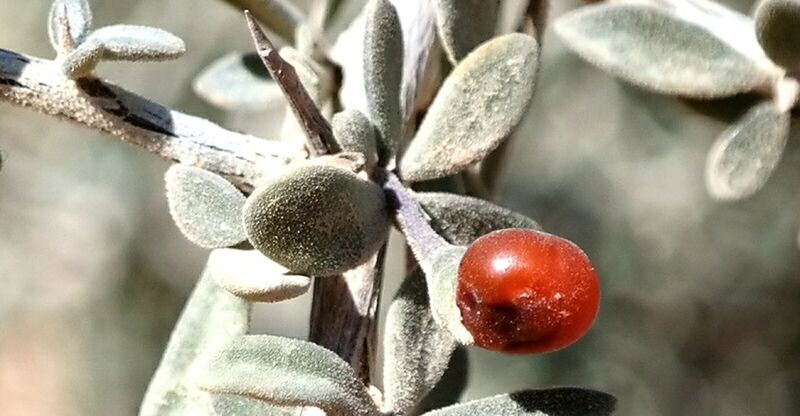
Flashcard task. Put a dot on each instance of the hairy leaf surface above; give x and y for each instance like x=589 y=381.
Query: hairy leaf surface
x=462 y=219
x=383 y=73
x=285 y=372
x=659 y=49
x=465 y=24
x=745 y=155
x=417 y=349
x=279 y=16
x=551 y=402
x=206 y=207
x=238 y=81
x=479 y=105
x=211 y=317
x=250 y=275
x=137 y=43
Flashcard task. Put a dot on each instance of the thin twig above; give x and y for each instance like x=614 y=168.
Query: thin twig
x=420 y=236
x=318 y=132
x=343 y=314
x=39 y=84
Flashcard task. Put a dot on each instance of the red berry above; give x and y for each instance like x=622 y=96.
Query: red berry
x=524 y=291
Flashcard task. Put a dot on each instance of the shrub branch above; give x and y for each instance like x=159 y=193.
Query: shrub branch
x=39 y=84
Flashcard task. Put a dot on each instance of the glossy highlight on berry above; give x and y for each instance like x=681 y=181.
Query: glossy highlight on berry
x=523 y=291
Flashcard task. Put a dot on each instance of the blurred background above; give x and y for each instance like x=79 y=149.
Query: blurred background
x=701 y=306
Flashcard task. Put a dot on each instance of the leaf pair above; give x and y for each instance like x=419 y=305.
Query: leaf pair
x=80 y=49
x=208 y=211
x=700 y=49
x=287 y=372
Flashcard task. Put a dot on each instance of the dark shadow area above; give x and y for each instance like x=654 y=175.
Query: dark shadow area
x=566 y=401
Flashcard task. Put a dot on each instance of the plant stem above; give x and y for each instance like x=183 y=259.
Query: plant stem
x=344 y=307
x=319 y=136
x=343 y=314
x=39 y=84
x=420 y=236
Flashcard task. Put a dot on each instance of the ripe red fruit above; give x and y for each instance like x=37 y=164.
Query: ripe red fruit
x=524 y=291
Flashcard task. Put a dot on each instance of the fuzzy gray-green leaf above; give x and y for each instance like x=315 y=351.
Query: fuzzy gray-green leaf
x=441 y=274
x=383 y=73
x=778 y=31
x=285 y=372
x=249 y=275
x=479 y=105
x=206 y=207
x=137 y=43
x=212 y=316
x=317 y=220
x=745 y=155
x=564 y=401
x=462 y=219
x=417 y=349
x=355 y=133
x=238 y=81
x=79 y=20
x=279 y=16
x=82 y=60
x=465 y=24
x=652 y=48
x=232 y=405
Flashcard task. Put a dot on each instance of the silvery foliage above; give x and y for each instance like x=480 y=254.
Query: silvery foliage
x=80 y=49
x=701 y=49
x=212 y=365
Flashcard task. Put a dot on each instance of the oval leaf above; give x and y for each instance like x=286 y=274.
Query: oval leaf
x=383 y=73
x=82 y=61
x=478 y=106
x=250 y=275
x=77 y=15
x=452 y=384
x=231 y=405
x=355 y=133
x=552 y=402
x=211 y=317
x=652 y=48
x=417 y=349
x=462 y=219
x=778 y=31
x=206 y=207
x=285 y=372
x=441 y=274
x=465 y=24
x=138 y=43
x=280 y=16
x=744 y=156
x=238 y=81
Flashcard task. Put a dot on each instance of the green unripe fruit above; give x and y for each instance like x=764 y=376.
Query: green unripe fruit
x=317 y=220
x=778 y=31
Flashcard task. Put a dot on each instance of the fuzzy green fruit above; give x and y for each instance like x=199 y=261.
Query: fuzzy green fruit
x=317 y=220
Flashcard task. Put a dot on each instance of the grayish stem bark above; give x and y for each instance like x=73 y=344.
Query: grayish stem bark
x=39 y=84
